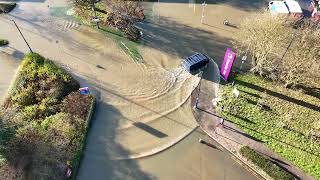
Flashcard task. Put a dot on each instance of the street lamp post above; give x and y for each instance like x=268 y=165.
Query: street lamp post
x=96 y=19
x=244 y=58
x=198 y=94
x=22 y=35
x=203 y=6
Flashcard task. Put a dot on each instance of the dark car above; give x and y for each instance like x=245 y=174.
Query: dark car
x=195 y=62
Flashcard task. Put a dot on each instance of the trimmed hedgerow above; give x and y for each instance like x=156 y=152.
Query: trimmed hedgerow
x=271 y=168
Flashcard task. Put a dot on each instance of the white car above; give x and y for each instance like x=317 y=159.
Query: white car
x=285 y=7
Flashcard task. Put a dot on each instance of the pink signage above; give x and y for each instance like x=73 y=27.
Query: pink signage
x=228 y=60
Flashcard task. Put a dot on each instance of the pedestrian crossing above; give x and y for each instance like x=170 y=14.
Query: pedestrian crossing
x=69 y=24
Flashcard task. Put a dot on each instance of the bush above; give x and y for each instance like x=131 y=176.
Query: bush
x=279 y=51
x=30 y=113
x=77 y=104
x=3 y=42
x=24 y=97
x=6 y=7
x=40 y=78
x=64 y=132
x=47 y=107
x=132 y=33
x=271 y=168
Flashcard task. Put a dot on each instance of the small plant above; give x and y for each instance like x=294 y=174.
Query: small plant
x=77 y=104
x=6 y=7
x=3 y=42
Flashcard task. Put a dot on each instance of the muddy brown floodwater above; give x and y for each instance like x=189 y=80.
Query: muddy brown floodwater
x=8 y=68
x=154 y=102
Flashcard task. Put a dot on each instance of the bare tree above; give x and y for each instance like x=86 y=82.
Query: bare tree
x=279 y=51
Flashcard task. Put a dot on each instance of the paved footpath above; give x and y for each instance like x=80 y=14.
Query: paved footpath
x=231 y=137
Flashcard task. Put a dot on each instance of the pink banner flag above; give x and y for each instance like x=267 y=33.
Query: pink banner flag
x=228 y=60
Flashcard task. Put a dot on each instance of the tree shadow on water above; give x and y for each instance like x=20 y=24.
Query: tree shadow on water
x=182 y=40
x=99 y=160
x=247 y=5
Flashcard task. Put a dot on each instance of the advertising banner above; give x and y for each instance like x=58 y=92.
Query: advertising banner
x=228 y=60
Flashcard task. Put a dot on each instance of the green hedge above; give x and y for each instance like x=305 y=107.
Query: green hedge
x=3 y=42
x=271 y=168
x=6 y=7
x=79 y=155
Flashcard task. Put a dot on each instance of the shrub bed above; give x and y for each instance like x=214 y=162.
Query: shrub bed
x=271 y=168
x=6 y=7
x=3 y=42
x=40 y=131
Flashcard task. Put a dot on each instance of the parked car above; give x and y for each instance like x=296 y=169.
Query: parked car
x=290 y=7
x=195 y=62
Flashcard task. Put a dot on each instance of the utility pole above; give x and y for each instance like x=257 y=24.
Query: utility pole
x=203 y=6
x=96 y=19
x=22 y=35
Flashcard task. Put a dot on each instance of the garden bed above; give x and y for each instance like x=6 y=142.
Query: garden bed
x=3 y=42
x=286 y=120
x=43 y=122
x=7 y=7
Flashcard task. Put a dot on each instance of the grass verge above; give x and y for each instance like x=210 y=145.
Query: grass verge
x=43 y=122
x=7 y=7
x=271 y=168
x=3 y=42
x=129 y=47
x=287 y=121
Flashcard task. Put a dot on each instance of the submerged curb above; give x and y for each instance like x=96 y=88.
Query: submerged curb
x=160 y=149
x=247 y=165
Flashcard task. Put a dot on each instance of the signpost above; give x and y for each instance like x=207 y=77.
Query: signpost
x=95 y=19
x=84 y=90
x=203 y=6
x=244 y=58
x=226 y=67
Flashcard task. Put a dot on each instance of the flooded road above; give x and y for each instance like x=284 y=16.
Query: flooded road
x=191 y=160
x=142 y=108
x=8 y=68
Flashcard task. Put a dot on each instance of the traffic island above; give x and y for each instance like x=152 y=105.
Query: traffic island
x=44 y=121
